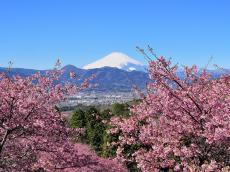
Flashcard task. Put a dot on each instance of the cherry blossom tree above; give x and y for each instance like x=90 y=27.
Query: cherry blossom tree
x=181 y=124
x=33 y=134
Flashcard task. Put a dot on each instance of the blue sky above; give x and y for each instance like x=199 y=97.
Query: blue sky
x=34 y=33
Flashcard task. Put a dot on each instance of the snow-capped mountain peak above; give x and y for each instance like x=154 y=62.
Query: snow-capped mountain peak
x=118 y=60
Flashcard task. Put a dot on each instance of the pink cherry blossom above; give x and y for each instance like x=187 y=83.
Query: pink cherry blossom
x=72 y=74
x=33 y=134
x=182 y=124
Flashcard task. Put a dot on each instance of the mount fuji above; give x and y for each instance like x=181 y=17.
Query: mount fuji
x=117 y=60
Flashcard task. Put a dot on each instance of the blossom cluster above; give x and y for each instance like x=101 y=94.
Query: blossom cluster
x=181 y=124
x=33 y=133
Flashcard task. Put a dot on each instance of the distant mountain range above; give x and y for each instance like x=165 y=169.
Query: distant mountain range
x=114 y=73
x=108 y=79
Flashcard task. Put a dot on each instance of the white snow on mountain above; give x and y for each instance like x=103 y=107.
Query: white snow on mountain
x=118 y=60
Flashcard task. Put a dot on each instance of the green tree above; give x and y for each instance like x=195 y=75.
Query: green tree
x=94 y=129
x=96 y=134
x=120 y=109
x=106 y=114
x=78 y=119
